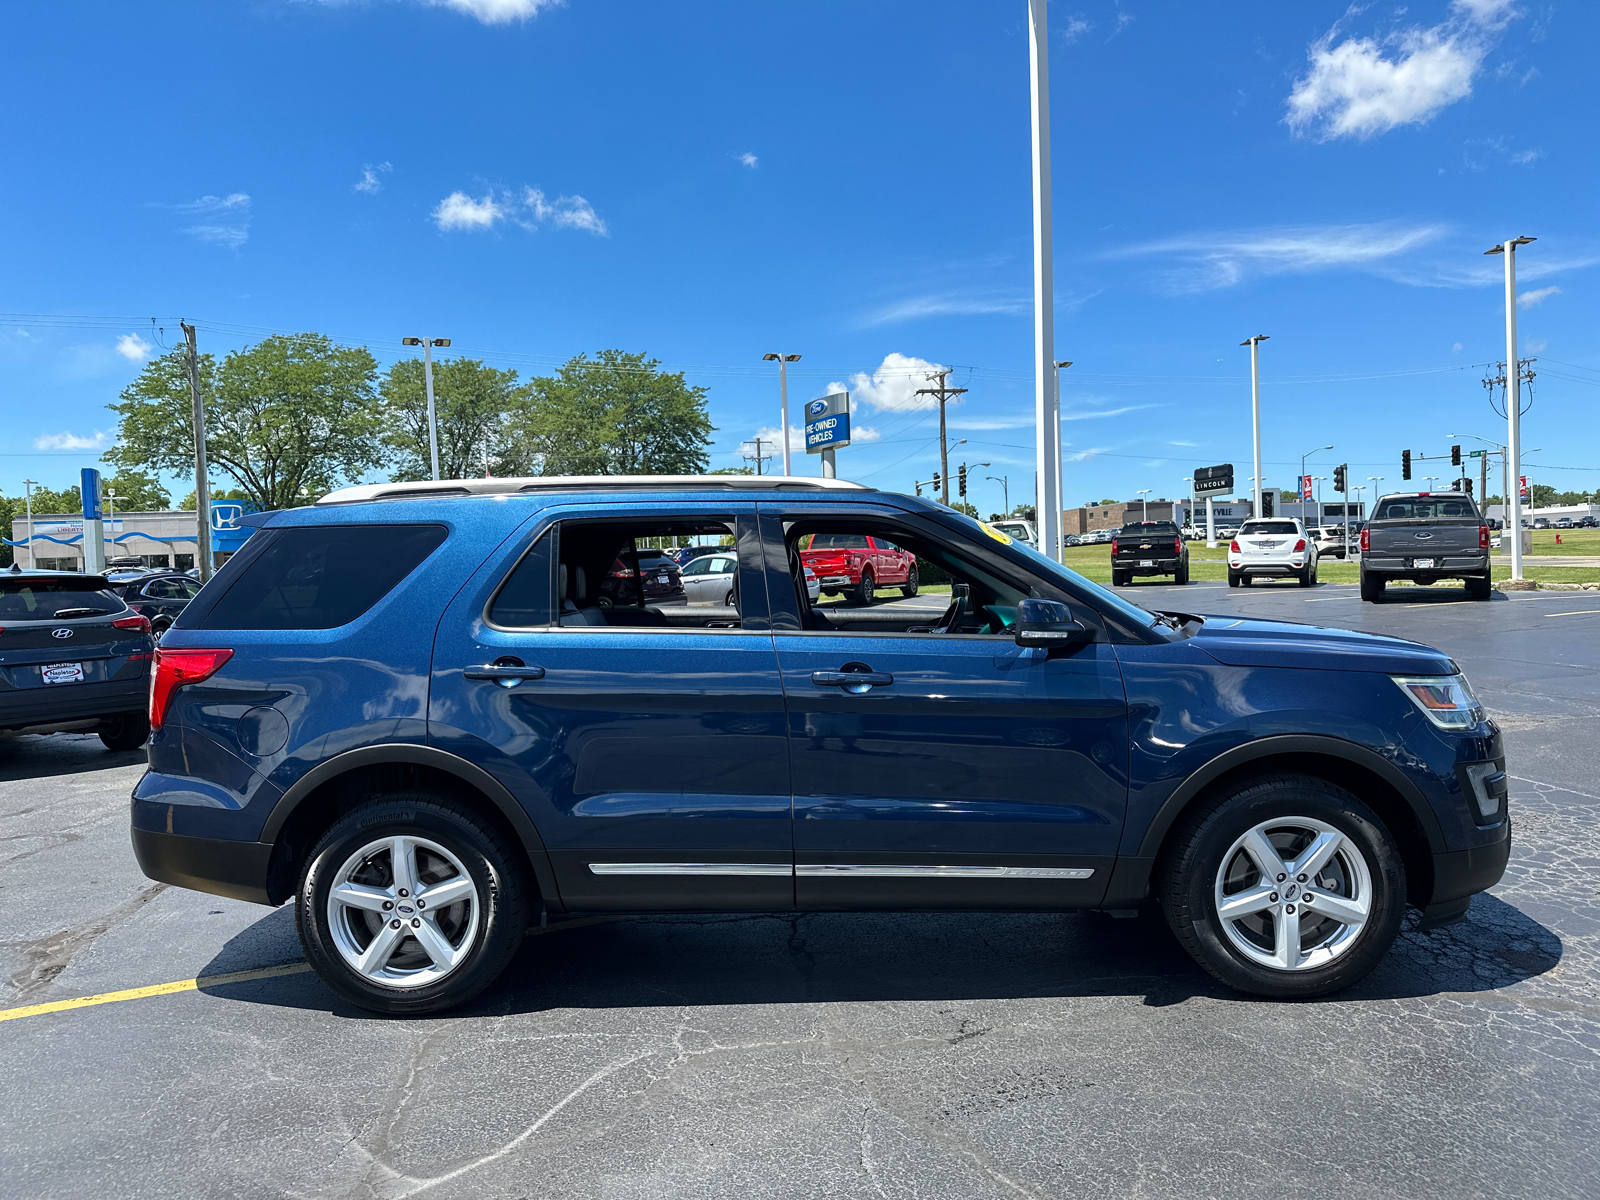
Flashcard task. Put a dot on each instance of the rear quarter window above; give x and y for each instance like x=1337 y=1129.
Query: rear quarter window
x=323 y=576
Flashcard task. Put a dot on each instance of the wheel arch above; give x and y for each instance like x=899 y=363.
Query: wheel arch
x=1377 y=782
x=331 y=788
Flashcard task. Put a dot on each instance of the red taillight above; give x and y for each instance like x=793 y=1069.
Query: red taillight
x=1300 y=546
x=175 y=668
x=1483 y=537
x=142 y=624
x=1366 y=540
x=1233 y=547
x=1113 y=546
x=1177 y=546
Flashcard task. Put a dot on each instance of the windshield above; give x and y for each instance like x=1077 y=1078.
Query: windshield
x=1269 y=527
x=1426 y=508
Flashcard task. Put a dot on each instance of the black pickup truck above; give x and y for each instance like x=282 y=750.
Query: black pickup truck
x=1148 y=548
x=1425 y=537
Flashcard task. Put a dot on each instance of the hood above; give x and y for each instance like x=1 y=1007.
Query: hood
x=1247 y=643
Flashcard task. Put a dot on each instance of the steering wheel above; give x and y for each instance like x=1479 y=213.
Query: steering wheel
x=958 y=609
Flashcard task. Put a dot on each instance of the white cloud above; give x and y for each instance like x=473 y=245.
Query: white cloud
x=369 y=182
x=1076 y=27
x=133 y=348
x=72 y=441
x=1353 y=90
x=498 y=12
x=1535 y=345
x=1523 y=157
x=1080 y=455
x=1456 y=349
x=564 y=212
x=460 y=211
x=1104 y=412
x=893 y=386
x=771 y=435
x=223 y=220
x=950 y=304
x=748 y=159
x=1216 y=260
x=1188 y=444
x=1538 y=296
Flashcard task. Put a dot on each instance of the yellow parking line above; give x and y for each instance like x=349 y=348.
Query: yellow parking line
x=1577 y=612
x=190 y=985
x=157 y=989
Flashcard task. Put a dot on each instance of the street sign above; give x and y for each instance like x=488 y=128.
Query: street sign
x=1208 y=481
x=828 y=423
x=1475 y=453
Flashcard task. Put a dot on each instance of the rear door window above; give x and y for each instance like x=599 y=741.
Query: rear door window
x=322 y=576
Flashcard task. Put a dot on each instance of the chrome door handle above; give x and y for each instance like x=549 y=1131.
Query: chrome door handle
x=853 y=680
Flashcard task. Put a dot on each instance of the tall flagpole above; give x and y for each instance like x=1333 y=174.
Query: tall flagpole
x=1047 y=415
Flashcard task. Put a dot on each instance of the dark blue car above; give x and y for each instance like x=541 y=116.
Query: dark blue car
x=405 y=708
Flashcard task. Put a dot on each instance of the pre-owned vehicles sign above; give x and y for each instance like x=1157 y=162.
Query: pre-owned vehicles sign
x=828 y=423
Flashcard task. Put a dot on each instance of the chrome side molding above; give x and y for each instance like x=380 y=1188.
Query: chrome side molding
x=829 y=870
x=648 y=868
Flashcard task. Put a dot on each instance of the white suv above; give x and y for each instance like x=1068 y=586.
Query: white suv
x=1330 y=540
x=1272 y=546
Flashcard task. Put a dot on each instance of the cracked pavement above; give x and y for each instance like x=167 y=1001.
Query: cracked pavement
x=833 y=1055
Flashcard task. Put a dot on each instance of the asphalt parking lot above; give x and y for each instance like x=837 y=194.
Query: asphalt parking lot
x=944 y=1056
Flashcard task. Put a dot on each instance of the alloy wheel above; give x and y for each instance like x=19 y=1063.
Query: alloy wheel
x=1293 y=893
x=403 y=912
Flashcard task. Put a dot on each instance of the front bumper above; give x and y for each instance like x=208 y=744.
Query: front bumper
x=223 y=868
x=1458 y=875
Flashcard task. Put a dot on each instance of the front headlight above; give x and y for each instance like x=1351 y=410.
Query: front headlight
x=1447 y=700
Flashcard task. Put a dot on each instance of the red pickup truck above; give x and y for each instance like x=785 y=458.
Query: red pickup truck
x=856 y=563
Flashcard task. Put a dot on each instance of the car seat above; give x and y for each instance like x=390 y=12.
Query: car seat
x=573 y=609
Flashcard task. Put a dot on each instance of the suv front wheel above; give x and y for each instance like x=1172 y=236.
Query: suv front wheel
x=1285 y=886
x=411 y=904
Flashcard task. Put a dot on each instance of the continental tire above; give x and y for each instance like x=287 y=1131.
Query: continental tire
x=411 y=903
x=1285 y=886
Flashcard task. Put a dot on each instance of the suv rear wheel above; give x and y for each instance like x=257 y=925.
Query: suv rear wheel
x=125 y=731
x=411 y=904
x=1285 y=886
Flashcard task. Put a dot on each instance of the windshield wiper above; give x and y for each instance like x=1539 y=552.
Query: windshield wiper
x=62 y=614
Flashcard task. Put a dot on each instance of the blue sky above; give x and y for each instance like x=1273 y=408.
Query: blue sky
x=849 y=181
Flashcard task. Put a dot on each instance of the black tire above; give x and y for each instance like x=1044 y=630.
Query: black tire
x=494 y=867
x=865 y=589
x=1182 y=575
x=1233 y=579
x=1119 y=579
x=1371 y=588
x=1194 y=859
x=912 y=583
x=1245 y=580
x=1308 y=576
x=159 y=628
x=727 y=601
x=125 y=731
x=1480 y=589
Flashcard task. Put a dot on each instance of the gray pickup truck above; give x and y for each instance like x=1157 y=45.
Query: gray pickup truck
x=1425 y=537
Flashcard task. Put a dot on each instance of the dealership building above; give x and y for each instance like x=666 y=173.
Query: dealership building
x=155 y=539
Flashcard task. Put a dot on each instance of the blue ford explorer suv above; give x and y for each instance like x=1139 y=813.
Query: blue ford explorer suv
x=405 y=709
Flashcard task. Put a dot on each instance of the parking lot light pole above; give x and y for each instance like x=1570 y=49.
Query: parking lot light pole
x=33 y=553
x=1302 y=479
x=1005 y=488
x=427 y=345
x=1513 y=403
x=1255 y=418
x=783 y=361
x=1144 y=497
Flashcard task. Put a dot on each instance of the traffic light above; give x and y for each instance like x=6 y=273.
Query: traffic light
x=919 y=489
x=1405 y=464
x=961 y=481
x=936 y=480
x=1340 y=474
x=1455 y=456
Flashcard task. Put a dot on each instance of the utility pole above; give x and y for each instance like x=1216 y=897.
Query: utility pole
x=1508 y=248
x=758 y=458
x=944 y=393
x=202 y=485
x=1046 y=408
x=427 y=345
x=33 y=551
x=1255 y=417
x=783 y=360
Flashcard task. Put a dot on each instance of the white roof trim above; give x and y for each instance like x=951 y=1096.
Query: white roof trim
x=535 y=483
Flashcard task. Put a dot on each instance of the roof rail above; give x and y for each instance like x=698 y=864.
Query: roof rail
x=437 y=489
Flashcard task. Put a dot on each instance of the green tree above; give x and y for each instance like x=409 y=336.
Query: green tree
x=734 y=471
x=187 y=504
x=474 y=407
x=287 y=418
x=137 y=491
x=617 y=414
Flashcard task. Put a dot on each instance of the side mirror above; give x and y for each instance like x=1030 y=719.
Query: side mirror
x=1048 y=623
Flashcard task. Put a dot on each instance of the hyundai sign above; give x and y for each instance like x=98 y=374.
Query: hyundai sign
x=828 y=423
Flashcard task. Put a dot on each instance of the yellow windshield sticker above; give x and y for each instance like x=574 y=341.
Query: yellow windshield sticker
x=995 y=534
